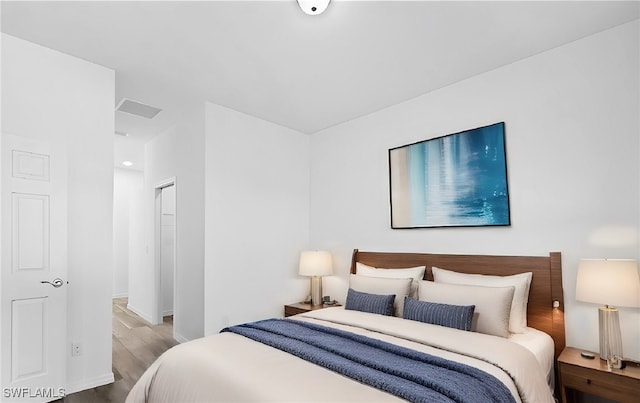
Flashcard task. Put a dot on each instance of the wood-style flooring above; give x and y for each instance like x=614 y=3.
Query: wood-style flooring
x=136 y=344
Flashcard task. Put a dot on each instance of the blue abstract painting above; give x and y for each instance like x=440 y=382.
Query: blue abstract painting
x=458 y=180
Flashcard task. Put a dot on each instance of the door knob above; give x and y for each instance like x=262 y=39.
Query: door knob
x=57 y=283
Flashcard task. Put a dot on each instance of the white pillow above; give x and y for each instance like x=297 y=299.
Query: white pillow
x=383 y=286
x=415 y=273
x=492 y=304
x=522 y=282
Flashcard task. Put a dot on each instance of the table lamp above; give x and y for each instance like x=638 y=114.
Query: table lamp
x=609 y=282
x=315 y=264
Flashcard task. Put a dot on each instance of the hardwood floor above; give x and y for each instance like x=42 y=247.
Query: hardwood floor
x=136 y=344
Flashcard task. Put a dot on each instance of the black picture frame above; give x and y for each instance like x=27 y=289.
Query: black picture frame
x=456 y=180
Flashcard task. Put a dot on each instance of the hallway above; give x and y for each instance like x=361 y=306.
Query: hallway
x=136 y=344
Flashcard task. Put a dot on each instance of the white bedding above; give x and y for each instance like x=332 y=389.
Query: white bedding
x=230 y=367
x=542 y=347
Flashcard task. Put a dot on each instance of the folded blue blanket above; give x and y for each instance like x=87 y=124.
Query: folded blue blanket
x=406 y=373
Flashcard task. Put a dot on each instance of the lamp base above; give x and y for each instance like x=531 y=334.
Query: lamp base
x=610 y=336
x=316 y=290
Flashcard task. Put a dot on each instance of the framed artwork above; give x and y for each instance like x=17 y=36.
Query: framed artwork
x=457 y=180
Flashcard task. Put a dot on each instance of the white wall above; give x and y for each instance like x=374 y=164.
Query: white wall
x=51 y=96
x=188 y=318
x=178 y=153
x=257 y=217
x=127 y=189
x=572 y=138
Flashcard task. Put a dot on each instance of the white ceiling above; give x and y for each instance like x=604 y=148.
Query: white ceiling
x=270 y=60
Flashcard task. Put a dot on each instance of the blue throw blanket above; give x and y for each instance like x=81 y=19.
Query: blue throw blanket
x=406 y=373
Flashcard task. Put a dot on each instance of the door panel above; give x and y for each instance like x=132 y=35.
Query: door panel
x=28 y=165
x=28 y=338
x=30 y=232
x=33 y=213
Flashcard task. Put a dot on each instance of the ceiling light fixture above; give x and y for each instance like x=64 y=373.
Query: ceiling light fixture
x=127 y=163
x=313 y=7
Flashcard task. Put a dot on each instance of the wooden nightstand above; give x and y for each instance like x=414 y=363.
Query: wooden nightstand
x=301 y=307
x=593 y=377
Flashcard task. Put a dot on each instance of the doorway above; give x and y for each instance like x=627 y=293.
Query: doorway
x=165 y=251
x=167 y=247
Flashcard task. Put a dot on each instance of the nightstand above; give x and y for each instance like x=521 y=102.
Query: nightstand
x=301 y=307
x=593 y=377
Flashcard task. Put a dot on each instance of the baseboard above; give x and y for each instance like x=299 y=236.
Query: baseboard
x=167 y=313
x=180 y=338
x=123 y=295
x=90 y=383
x=139 y=313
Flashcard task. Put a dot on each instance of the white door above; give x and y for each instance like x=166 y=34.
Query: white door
x=167 y=245
x=34 y=270
x=165 y=201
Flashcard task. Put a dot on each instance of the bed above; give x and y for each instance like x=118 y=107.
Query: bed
x=259 y=362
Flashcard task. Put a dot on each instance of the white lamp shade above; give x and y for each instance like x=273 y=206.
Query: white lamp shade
x=313 y=7
x=612 y=282
x=315 y=263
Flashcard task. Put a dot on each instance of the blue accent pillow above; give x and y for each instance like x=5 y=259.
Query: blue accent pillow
x=454 y=316
x=373 y=303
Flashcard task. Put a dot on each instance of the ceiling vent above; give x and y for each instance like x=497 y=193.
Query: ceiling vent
x=137 y=108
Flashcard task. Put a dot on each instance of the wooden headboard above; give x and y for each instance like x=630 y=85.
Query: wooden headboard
x=546 y=282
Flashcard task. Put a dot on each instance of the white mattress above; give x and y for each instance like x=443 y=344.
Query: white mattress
x=230 y=367
x=542 y=347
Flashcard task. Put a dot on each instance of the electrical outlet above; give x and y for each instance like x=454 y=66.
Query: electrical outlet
x=76 y=349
